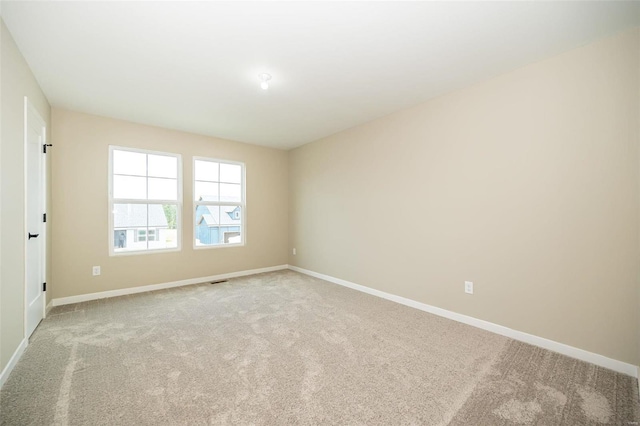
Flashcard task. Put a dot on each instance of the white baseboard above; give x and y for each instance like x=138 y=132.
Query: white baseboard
x=152 y=287
x=581 y=354
x=48 y=308
x=13 y=361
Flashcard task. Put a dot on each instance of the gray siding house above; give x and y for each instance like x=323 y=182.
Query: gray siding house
x=136 y=225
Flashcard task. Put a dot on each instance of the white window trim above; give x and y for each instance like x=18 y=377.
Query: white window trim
x=178 y=202
x=242 y=204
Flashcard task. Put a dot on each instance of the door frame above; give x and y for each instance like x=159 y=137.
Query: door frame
x=30 y=108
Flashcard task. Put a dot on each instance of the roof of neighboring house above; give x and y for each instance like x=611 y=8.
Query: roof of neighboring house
x=211 y=215
x=135 y=216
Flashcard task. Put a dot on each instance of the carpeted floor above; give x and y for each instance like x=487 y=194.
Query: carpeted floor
x=285 y=348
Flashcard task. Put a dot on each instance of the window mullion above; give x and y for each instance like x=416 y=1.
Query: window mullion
x=219 y=203
x=130 y=201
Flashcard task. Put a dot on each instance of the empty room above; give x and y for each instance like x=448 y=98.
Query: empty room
x=269 y=213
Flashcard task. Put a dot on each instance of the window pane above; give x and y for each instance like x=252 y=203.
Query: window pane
x=232 y=237
x=230 y=215
x=207 y=225
x=144 y=226
x=157 y=216
x=128 y=219
x=129 y=163
x=231 y=173
x=134 y=188
x=170 y=215
x=205 y=191
x=230 y=192
x=129 y=216
x=217 y=225
x=163 y=166
x=165 y=239
x=120 y=239
x=163 y=189
x=206 y=170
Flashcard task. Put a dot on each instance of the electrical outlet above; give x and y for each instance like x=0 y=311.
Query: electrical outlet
x=294 y=251
x=468 y=287
x=96 y=270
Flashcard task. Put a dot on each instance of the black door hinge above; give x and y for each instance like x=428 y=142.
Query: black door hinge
x=44 y=217
x=44 y=286
x=44 y=147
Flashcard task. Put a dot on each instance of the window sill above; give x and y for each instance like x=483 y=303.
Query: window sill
x=138 y=252
x=217 y=246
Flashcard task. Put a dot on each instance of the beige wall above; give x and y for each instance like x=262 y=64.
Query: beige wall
x=526 y=184
x=17 y=81
x=80 y=208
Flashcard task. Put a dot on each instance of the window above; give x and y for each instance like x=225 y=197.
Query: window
x=145 y=200
x=219 y=203
x=145 y=235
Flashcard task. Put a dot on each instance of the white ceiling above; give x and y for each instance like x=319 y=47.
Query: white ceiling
x=194 y=66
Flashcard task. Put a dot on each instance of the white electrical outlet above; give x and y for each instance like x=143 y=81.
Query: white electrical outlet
x=294 y=251
x=96 y=270
x=468 y=287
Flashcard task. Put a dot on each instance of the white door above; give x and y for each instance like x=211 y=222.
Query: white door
x=35 y=138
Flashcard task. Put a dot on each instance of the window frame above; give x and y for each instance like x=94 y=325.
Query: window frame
x=242 y=203
x=178 y=202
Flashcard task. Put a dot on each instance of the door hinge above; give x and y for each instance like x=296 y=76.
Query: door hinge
x=44 y=217
x=44 y=147
x=44 y=286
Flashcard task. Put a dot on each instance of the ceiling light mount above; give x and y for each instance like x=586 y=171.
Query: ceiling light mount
x=264 y=78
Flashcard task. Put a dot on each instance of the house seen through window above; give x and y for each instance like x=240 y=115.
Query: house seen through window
x=219 y=203
x=145 y=200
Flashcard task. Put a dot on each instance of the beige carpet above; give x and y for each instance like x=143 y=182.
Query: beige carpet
x=285 y=348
